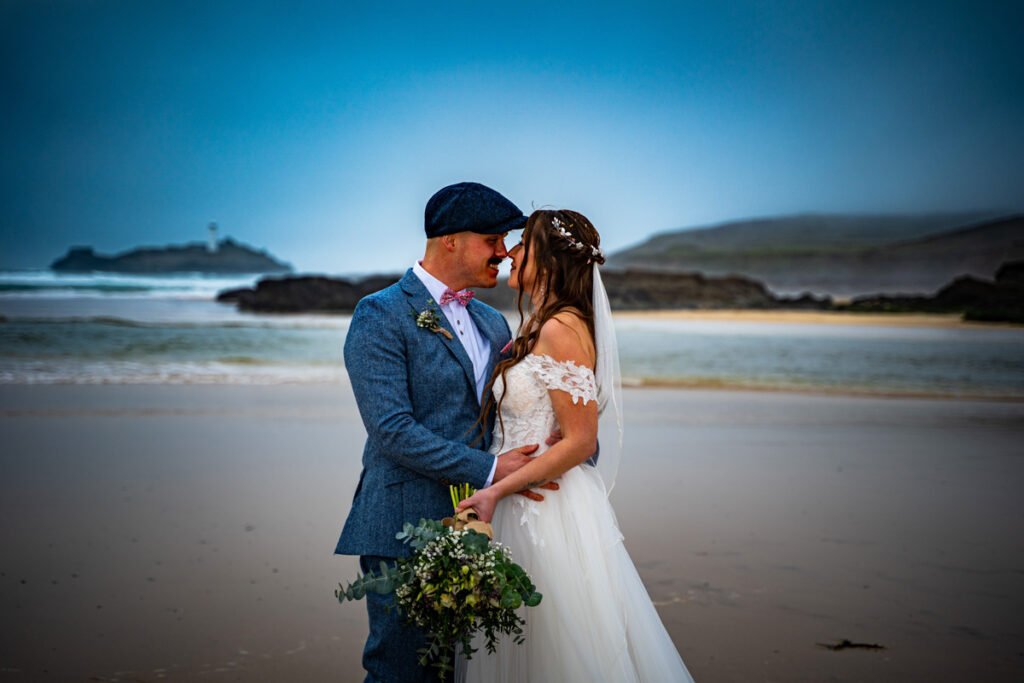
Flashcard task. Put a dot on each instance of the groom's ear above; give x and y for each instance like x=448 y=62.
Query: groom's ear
x=448 y=241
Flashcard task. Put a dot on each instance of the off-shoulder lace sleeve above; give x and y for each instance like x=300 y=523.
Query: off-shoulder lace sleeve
x=576 y=380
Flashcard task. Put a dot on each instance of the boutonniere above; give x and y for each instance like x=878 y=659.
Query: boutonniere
x=506 y=348
x=428 y=319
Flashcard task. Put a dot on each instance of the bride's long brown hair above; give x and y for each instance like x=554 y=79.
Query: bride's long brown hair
x=564 y=275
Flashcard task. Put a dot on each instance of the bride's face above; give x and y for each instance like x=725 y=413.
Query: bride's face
x=522 y=275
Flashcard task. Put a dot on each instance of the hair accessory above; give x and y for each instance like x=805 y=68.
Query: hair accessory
x=576 y=244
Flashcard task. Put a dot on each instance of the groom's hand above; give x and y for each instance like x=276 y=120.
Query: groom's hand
x=510 y=461
x=533 y=495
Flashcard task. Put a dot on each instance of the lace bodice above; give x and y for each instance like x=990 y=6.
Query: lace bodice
x=527 y=415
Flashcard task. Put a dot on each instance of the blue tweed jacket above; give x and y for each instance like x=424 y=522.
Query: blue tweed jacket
x=417 y=397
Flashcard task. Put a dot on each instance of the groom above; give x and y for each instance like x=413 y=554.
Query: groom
x=419 y=354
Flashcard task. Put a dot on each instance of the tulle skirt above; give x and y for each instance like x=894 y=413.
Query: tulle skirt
x=596 y=621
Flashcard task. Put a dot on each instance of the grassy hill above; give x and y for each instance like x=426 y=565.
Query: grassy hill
x=842 y=255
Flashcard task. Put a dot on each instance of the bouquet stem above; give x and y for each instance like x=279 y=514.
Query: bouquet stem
x=460 y=493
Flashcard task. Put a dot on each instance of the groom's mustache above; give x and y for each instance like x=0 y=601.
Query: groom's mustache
x=495 y=261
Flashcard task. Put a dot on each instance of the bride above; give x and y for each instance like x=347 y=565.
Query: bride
x=596 y=621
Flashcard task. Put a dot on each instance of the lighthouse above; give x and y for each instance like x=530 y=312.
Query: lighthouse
x=211 y=243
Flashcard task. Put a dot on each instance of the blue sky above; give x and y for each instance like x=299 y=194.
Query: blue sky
x=319 y=131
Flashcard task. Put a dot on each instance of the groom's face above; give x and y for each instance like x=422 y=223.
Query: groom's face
x=478 y=257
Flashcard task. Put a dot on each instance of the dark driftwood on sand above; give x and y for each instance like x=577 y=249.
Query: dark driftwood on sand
x=845 y=644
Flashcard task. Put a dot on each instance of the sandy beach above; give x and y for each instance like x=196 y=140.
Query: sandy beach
x=186 y=533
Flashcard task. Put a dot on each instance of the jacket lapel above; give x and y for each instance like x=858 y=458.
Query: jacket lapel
x=419 y=300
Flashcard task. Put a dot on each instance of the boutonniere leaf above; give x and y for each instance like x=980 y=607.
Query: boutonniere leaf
x=429 y=319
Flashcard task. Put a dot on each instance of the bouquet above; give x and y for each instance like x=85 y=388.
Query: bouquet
x=457 y=583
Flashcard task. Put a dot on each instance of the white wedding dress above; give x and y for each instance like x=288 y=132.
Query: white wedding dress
x=596 y=621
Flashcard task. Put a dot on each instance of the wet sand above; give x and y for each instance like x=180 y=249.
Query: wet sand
x=186 y=533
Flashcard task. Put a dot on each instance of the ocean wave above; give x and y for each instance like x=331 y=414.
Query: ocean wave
x=172 y=373
x=72 y=289
x=262 y=323
x=46 y=284
x=246 y=360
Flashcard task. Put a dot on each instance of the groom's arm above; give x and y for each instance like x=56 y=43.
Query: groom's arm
x=377 y=366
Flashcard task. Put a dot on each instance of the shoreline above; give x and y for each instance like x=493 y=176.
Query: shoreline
x=867 y=393
x=934 y=320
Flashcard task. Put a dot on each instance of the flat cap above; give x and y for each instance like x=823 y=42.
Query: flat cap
x=471 y=207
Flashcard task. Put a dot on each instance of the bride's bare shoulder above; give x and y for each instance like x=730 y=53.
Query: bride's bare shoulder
x=565 y=336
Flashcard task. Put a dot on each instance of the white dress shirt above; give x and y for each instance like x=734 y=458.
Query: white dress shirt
x=477 y=347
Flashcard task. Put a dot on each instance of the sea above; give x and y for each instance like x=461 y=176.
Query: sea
x=122 y=329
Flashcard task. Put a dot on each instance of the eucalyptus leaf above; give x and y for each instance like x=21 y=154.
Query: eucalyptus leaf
x=475 y=542
x=511 y=600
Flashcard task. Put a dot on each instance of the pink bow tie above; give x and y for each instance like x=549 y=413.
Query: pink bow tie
x=463 y=297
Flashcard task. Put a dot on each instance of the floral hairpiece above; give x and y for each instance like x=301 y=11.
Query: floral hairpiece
x=595 y=252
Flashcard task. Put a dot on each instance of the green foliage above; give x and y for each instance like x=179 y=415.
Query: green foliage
x=382 y=583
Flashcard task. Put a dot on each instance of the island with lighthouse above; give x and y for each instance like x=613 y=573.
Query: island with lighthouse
x=214 y=257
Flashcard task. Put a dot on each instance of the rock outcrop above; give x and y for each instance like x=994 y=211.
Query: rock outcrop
x=639 y=290
x=1001 y=300
x=630 y=290
x=305 y=294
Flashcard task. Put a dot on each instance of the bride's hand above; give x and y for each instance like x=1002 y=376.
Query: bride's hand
x=483 y=501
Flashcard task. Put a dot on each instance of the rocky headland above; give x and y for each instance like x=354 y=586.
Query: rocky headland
x=633 y=290
x=229 y=257
x=840 y=255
